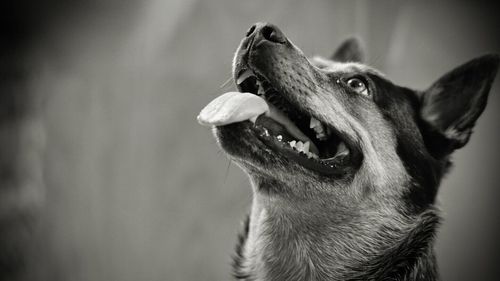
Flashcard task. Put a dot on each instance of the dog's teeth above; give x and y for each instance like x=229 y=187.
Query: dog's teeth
x=279 y=137
x=314 y=123
x=312 y=155
x=253 y=119
x=244 y=76
x=322 y=132
x=306 y=147
x=321 y=136
x=300 y=146
x=342 y=150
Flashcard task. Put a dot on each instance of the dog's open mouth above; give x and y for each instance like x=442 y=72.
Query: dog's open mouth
x=284 y=127
x=291 y=131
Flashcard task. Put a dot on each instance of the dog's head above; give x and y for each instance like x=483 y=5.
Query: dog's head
x=341 y=132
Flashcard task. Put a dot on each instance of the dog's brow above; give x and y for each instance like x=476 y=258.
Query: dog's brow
x=333 y=66
x=358 y=67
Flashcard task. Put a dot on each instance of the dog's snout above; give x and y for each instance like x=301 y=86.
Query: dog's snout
x=266 y=32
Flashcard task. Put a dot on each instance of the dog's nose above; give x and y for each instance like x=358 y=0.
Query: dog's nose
x=266 y=31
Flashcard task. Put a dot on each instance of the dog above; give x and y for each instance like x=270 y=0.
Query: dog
x=344 y=164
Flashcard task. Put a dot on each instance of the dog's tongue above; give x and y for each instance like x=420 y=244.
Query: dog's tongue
x=232 y=107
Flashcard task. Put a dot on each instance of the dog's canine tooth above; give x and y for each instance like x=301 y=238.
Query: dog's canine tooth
x=342 y=150
x=314 y=123
x=319 y=129
x=243 y=76
x=322 y=132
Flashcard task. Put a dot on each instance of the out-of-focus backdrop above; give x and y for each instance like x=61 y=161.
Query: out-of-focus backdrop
x=105 y=174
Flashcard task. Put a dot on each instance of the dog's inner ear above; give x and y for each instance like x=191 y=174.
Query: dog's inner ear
x=351 y=50
x=451 y=106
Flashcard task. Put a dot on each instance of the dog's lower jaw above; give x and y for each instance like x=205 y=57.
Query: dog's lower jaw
x=278 y=246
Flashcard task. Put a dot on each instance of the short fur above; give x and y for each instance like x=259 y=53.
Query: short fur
x=375 y=218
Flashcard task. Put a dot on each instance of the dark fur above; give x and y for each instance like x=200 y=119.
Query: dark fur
x=376 y=218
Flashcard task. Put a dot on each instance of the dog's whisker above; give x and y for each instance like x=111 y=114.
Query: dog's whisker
x=376 y=59
x=227 y=170
x=223 y=85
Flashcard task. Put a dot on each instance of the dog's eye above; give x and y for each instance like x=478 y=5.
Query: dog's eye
x=358 y=86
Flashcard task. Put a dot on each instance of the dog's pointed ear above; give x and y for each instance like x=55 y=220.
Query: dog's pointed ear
x=451 y=106
x=351 y=50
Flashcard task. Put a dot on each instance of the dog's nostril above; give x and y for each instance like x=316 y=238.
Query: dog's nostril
x=273 y=34
x=250 y=30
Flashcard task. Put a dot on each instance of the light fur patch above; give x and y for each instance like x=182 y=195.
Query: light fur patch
x=331 y=66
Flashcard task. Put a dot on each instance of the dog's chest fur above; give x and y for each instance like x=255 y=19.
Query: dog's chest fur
x=275 y=246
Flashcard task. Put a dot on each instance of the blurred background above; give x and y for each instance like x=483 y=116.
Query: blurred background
x=105 y=174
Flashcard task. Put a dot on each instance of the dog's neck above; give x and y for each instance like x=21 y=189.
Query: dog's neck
x=279 y=245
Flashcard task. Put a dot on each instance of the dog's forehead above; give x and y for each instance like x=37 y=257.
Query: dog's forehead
x=343 y=67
